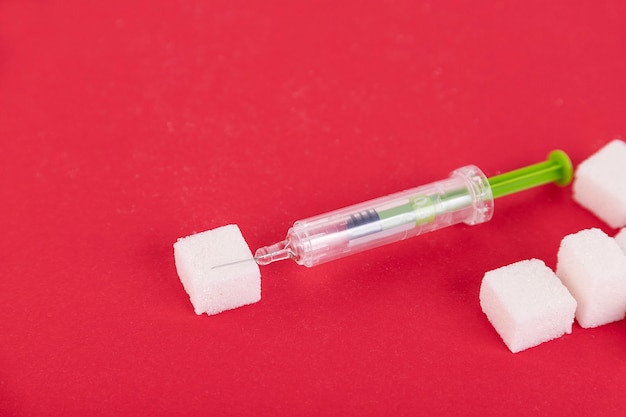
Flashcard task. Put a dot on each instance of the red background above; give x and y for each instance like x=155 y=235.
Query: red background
x=126 y=124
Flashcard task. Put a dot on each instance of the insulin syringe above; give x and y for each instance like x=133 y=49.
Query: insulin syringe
x=466 y=196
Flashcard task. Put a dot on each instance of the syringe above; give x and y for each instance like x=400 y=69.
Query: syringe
x=465 y=197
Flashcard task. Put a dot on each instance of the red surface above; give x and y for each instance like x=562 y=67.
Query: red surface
x=127 y=124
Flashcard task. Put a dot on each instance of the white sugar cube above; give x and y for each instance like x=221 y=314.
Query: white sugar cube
x=213 y=288
x=620 y=238
x=600 y=183
x=593 y=267
x=526 y=304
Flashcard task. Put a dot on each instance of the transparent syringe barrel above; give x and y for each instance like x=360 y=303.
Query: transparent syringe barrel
x=464 y=197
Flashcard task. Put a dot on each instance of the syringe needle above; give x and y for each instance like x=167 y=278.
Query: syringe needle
x=265 y=255
x=233 y=263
